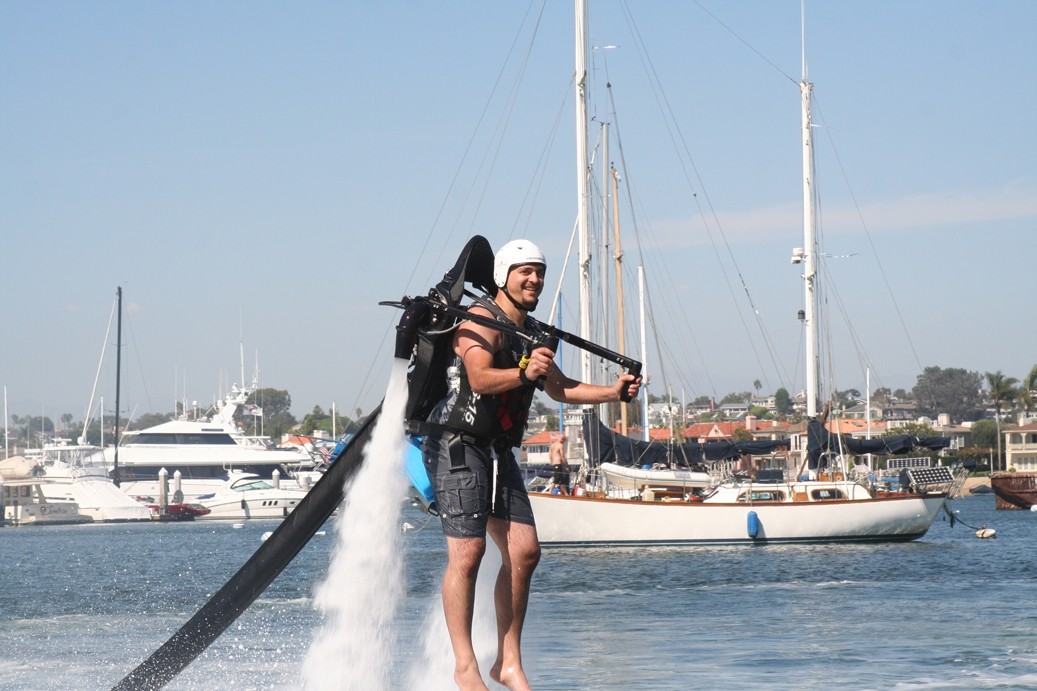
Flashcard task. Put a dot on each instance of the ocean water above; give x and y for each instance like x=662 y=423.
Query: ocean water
x=81 y=606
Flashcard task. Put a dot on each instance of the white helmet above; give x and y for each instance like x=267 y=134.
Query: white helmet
x=512 y=254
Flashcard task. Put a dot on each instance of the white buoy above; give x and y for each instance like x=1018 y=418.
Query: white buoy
x=1034 y=508
x=266 y=536
x=986 y=533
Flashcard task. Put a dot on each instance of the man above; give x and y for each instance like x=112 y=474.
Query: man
x=482 y=418
x=560 y=478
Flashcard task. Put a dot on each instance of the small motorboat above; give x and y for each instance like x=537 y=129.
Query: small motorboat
x=247 y=495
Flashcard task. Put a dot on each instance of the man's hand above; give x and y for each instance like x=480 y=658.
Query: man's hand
x=541 y=362
x=628 y=386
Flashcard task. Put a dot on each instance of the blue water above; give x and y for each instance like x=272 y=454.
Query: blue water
x=81 y=606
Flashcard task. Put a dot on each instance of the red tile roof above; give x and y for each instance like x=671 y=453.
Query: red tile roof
x=545 y=437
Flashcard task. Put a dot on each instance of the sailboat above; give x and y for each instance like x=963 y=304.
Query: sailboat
x=824 y=502
x=73 y=475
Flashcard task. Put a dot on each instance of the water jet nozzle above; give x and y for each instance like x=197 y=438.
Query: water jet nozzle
x=415 y=313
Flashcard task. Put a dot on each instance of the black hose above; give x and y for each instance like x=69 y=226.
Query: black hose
x=258 y=572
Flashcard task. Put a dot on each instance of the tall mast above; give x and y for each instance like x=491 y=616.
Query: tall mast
x=644 y=353
x=118 y=381
x=809 y=247
x=617 y=248
x=603 y=245
x=583 y=183
x=7 y=435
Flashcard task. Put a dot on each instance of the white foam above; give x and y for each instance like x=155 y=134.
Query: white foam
x=364 y=584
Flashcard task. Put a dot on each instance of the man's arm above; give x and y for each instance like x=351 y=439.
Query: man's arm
x=476 y=345
x=566 y=390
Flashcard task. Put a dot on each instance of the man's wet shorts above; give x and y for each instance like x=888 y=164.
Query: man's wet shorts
x=464 y=496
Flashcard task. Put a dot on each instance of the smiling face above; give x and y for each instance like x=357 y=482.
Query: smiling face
x=525 y=283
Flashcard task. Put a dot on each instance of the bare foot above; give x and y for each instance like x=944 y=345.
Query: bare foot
x=468 y=678
x=512 y=677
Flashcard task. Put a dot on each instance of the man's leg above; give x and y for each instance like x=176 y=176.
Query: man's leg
x=463 y=558
x=520 y=554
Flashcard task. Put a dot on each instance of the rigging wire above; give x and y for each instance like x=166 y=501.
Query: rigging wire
x=874 y=250
x=672 y=127
x=421 y=256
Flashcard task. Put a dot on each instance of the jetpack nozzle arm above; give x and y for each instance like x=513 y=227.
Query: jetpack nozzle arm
x=631 y=365
x=415 y=314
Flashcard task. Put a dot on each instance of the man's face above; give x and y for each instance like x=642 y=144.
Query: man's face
x=525 y=283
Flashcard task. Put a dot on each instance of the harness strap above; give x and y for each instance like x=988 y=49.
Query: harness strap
x=455 y=440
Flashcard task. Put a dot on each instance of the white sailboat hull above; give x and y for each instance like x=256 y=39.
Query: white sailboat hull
x=584 y=521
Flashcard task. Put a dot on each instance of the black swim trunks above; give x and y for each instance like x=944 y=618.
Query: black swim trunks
x=463 y=497
x=561 y=476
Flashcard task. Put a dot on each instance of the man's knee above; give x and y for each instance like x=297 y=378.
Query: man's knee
x=530 y=556
x=525 y=554
x=465 y=554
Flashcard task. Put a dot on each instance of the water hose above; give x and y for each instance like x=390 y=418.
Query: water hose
x=257 y=573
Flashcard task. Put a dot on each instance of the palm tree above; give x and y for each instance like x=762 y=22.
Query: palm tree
x=1002 y=390
x=1028 y=390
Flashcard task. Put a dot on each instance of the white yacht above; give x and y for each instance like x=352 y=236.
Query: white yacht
x=75 y=473
x=24 y=499
x=245 y=495
x=199 y=455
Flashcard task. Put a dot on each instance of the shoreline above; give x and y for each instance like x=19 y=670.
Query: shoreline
x=973 y=482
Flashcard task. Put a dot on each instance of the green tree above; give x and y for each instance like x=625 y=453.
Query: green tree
x=1001 y=389
x=1028 y=390
x=742 y=397
x=782 y=401
x=31 y=429
x=277 y=418
x=742 y=434
x=952 y=391
x=759 y=412
x=319 y=421
x=149 y=420
x=985 y=434
x=915 y=429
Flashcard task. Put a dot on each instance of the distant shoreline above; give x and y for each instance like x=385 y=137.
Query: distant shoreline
x=972 y=482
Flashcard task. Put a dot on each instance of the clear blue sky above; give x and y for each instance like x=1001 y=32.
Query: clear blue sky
x=263 y=173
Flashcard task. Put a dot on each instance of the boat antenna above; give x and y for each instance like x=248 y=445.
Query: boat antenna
x=803 y=37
